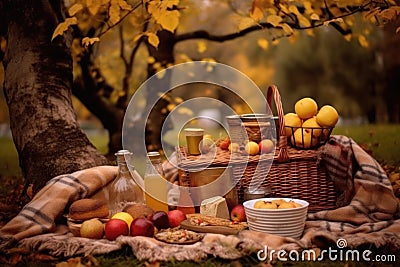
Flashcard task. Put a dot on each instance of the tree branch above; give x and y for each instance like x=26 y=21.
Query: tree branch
x=122 y=18
x=121 y=49
x=129 y=63
x=202 y=34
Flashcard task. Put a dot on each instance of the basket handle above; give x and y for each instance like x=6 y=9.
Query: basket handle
x=283 y=155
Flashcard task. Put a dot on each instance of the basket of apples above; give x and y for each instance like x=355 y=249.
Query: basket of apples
x=308 y=127
x=250 y=127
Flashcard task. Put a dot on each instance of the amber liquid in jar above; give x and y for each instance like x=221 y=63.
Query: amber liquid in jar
x=155 y=184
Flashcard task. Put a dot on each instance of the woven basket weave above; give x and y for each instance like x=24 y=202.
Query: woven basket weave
x=248 y=127
x=289 y=172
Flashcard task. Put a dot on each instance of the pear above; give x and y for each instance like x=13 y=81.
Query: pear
x=92 y=228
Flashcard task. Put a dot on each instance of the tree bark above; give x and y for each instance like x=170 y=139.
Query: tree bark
x=391 y=59
x=38 y=81
x=164 y=54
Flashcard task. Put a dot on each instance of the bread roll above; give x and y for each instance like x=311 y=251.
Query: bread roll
x=86 y=208
x=138 y=210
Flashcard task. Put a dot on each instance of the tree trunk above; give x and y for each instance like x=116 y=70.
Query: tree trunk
x=164 y=55
x=38 y=81
x=391 y=59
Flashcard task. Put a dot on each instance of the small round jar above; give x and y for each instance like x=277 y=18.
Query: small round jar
x=260 y=192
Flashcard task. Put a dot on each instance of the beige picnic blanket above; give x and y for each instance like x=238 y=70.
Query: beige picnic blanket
x=369 y=215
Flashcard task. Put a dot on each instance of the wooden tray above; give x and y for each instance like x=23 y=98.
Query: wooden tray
x=215 y=229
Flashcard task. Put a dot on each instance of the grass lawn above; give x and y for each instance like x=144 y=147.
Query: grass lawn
x=9 y=157
x=382 y=139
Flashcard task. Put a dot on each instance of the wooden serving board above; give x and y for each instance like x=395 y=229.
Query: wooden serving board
x=216 y=229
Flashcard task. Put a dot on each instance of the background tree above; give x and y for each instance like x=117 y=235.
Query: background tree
x=41 y=86
x=38 y=79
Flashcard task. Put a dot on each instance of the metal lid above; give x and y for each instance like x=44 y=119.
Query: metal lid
x=257 y=191
x=123 y=156
x=154 y=156
x=123 y=152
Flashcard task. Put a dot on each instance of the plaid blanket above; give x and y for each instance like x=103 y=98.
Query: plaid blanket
x=369 y=215
x=48 y=206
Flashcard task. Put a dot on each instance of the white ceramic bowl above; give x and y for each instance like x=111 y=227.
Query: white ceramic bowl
x=283 y=222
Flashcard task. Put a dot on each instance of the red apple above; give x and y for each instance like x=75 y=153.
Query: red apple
x=175 y=217
x=225 y=143
x=142 y=227
x=238 y=213
x=266 y=146
x=115 y=228
x=160 y=220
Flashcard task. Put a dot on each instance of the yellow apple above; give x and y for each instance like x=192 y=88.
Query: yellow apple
x=234 y=147
x=312 y=125
x=207 y=144
x=286 y=205
x=327 y=116
x=252 y=148
x=293 y=122
x=125 y=216
x=297 y=205
x=278 y=201
x=258 y=204
x=266 y=146
x=306 y=108
x=92 y=228
x=302 y=138
x=261 y=204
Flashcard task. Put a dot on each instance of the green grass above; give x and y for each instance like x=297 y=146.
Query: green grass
x=8 y=158
x=100 y=142
x=382 y=139
x=9 y=164
x=10 y=172
x=125 y=258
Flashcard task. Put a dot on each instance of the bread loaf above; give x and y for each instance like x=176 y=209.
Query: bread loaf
x=86 y=208
x=138 y=210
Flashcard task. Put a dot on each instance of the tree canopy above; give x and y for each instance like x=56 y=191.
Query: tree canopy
x=160 y=26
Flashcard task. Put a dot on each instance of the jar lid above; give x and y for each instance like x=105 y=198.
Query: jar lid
x=154 y=156
x=260 y=190
x=123 y=152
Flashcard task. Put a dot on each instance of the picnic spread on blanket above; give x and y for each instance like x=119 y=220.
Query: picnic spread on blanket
x=309 y=195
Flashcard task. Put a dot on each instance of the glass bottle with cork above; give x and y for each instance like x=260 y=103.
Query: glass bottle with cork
x=127 y=187
x=155 y=183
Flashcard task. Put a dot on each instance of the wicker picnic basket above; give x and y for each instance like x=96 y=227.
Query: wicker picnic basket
x=253 y=127
x=289 y=172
